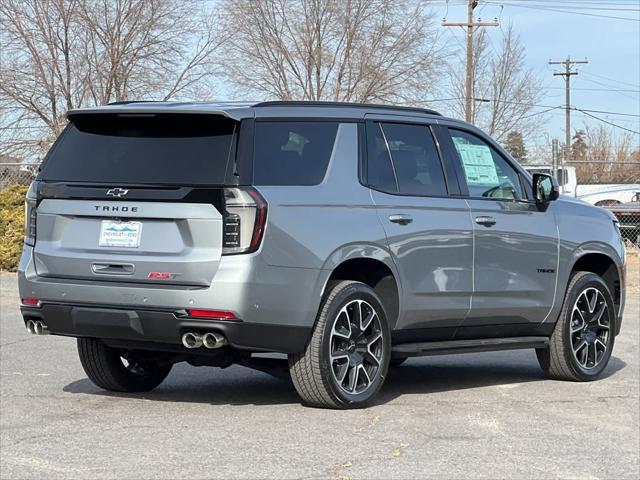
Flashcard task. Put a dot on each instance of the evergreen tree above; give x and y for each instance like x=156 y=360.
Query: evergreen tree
x=515 y=146
x=579 y=145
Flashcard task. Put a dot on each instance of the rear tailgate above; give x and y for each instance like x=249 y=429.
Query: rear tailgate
x=172 y=243
x=135 y=198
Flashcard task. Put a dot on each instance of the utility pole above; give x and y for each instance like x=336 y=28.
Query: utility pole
x=567 y=74
x=469 y=25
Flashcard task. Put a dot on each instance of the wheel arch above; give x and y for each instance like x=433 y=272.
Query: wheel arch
x=606 y=265
x=372 y=266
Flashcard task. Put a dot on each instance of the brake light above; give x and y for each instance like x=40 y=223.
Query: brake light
x=217 y=314
x=244 y=220
x=30 y=217
x=30 y=302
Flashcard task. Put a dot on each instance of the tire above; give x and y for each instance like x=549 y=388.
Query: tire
x=564 y=358
x=344 y=365
x=397 y=361
x=105 y=367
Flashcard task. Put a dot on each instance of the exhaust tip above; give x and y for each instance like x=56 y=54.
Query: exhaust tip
x=192 y=340
x=40 y=328
x=31 y=327
x=213 y=340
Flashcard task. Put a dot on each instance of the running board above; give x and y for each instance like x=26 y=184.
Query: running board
x=467 y=346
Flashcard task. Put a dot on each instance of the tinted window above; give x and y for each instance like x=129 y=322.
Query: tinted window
x=160 y=149
x=379 y=168
x=292 y=153
x=414 y=159
x=487 y=173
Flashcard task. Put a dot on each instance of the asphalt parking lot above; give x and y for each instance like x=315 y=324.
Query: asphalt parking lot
x=490 y=415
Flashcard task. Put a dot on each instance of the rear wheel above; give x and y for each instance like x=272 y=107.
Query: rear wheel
x=346 y=361
x=120 y=371
x=581 y=344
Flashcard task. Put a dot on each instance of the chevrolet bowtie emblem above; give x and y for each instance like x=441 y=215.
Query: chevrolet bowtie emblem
x=117 y=192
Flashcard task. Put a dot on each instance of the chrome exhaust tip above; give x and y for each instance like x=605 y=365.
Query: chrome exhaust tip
x=192 y=340
x=40 y=328
x=213 y=340
x=31 y=327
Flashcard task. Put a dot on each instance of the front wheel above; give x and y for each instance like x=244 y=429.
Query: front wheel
x=346 y=361
x=581 y=344
x=120 y=371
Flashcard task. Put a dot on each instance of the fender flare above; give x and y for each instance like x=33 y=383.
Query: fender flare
x=356 y=251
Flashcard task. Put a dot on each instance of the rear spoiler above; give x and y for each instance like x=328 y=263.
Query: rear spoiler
x=233 y=111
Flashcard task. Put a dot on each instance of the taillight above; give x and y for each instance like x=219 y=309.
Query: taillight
x=244 y=220
x=30 y=217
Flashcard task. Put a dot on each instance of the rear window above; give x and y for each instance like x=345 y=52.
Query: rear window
x=292 y=153
x=159 y=149
x=403 y=158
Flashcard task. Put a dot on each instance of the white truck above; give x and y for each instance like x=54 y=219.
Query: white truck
x=601 y=194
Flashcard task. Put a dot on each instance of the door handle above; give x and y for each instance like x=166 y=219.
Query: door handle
x=486 y=221
x=401 y=219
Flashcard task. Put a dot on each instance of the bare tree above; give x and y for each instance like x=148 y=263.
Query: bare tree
x=505 y=89
x=340 y=50
x=610 y=157
x=64 y=54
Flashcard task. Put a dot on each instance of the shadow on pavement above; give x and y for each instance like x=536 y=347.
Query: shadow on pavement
x=416 y=378
x=240 y=386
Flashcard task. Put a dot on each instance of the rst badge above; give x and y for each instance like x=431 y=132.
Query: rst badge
x=162 y=275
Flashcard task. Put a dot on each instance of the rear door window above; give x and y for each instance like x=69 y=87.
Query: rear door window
x=147 y=149
x=403 y=158
x=292 y=153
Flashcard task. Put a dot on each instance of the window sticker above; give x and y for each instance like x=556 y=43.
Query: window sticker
x=479 y=167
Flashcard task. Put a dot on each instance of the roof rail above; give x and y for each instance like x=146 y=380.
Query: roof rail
x=292 y=103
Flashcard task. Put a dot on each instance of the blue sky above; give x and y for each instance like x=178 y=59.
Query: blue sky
x=609 y=82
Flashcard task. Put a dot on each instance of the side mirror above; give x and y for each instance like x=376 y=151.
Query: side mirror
x=545 y=188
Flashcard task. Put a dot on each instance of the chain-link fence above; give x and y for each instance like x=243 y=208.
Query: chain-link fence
x=623 y=199
x=628 y=216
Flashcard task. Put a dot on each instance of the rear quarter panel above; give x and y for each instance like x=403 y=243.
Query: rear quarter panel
x=318 y=227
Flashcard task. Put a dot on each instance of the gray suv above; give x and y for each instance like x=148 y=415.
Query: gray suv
x=348 y=237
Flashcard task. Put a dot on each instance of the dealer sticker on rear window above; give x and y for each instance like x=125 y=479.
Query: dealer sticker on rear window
x=120 y=234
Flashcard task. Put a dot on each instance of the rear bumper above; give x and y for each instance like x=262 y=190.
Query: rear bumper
x=253 y=290
x=162 y=326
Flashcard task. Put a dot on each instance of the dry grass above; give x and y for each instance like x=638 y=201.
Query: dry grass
x=633 y=270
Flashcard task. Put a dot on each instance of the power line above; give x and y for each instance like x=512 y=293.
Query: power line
x=557 y=5
x=550 y=107
x=596 y=89
x=595 y=82
x=540 y=112
x=552 y=9
x=591 y=74
x=608 y=122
